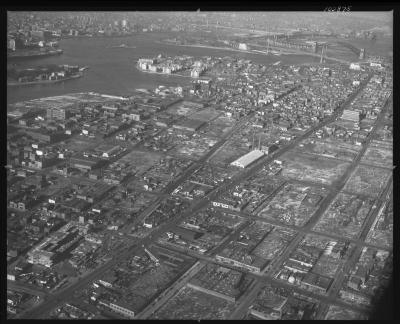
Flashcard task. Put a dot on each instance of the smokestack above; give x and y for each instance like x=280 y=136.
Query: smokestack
x=252 y=146
x=322 y=54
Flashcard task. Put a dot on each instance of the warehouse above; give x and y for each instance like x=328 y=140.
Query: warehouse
x=247 y=159
x=351 y=115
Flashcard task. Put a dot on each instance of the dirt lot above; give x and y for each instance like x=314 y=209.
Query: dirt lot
x=206 y=114
x=345 y=216
x=312 y=168
x=140 y=161
x=379 y=154
x=219 y=126
x=194 y=305
x=368 y=180
x=82 y=143
x=336 y=149
x=289 y=204
x=193 y=148
x=339 y=313
x=182 y=109
x=228 y=153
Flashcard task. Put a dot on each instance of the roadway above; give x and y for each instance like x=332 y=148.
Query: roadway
x=42 y=310
x=26 y=288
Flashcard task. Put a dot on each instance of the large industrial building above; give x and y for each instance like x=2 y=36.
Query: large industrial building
x=351 y=115
x=247 y=159
x=59 y=113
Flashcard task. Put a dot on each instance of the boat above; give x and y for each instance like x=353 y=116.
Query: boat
x=123 y=46
x=83 y=68
x=277 y=63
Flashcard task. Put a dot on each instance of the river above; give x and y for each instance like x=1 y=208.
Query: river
x=112 y=70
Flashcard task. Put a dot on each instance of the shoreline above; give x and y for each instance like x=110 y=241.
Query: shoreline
x=165 y=74
x=16 y=84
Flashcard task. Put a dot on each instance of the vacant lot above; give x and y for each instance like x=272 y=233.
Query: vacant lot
x=193 y=148
x=274 y=244
x=219 y=126
x=340 y=313
x=182 y=109
x=312 y=168
x=368 y=180
x=293 y=204
x=139 y=161
x=329 y=148
x=206 y=114
x=379 y=154
x=228 y=153
x=345 y=216
x=195 y=305
x=83 y=143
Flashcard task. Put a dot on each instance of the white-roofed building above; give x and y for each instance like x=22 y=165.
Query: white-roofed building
x=248 y=158
x=352 y=115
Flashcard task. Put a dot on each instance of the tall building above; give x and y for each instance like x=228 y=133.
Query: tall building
x=11 y=44
x=362 y=54
x=57 y=113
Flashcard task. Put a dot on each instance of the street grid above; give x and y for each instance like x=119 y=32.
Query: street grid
x=267 y=275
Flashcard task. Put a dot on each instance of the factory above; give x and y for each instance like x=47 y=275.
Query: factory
x=247 y=159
